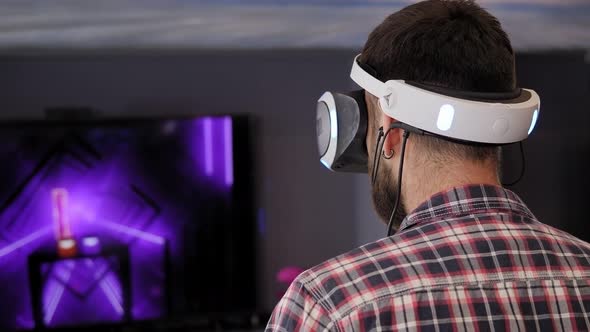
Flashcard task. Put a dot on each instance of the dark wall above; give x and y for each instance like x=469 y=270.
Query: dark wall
x=557 y=180
x=310 y=214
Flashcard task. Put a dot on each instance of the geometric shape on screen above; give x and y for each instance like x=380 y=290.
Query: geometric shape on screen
x=81 y=276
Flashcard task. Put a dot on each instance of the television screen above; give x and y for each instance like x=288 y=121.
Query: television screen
x=124 y=220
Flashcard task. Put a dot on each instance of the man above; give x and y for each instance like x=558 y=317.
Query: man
x=468 y=255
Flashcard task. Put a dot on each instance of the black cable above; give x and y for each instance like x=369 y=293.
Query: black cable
x=522 y=168
x=407 y=130
x=376 y=160
x=399 y=182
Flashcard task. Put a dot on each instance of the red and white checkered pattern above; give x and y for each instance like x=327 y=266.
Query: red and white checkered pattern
x=469 y=259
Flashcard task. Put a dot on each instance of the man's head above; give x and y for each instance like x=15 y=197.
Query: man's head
x=450 y=43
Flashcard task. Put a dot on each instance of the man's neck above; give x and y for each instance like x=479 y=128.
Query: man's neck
x=420 y=183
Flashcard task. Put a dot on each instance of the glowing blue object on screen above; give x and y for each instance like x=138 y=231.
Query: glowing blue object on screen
x=445 y=117
x=534 y=121
x=90 y=241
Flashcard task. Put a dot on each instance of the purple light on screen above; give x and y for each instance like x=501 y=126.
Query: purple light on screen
x=212 y=149
x=111 y=295
x=24 y=241
x=133 y=232
x=84 y=291
x=55 y=298
x=55 y=293
x=109 y=288
x=228 y=149
x=114 y=286
x=208 y=144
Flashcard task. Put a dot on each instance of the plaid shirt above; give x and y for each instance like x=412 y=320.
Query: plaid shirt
x=473 y=258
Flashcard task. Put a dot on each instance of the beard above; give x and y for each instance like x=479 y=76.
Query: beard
x=384 y=193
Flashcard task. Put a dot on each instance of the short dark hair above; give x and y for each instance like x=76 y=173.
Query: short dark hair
x=450 y=43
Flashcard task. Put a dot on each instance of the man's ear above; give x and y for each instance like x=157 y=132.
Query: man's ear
x=393 y=140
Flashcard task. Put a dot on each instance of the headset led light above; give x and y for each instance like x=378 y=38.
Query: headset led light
x=534 y=121
x=445 y=117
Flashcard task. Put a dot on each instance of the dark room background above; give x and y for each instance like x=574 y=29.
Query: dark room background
x=305 y=214
x=270 y=61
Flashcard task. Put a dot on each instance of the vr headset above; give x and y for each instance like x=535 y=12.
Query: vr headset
x=463 y=116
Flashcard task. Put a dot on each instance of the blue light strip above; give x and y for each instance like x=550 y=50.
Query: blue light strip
x=52 y=307
x=112 y=297
x=133 y=232
x=24 y=241
x=208 y=142
x=228 y=149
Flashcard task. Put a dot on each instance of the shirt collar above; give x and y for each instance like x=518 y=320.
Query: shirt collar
x=466 y=200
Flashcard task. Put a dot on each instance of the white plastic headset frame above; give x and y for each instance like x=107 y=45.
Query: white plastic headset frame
x=328 y=158
x=475 y=121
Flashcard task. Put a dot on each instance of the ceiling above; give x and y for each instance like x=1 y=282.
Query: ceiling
x=189 y=24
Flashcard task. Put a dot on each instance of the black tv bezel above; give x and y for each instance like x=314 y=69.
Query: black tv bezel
x=243 y=195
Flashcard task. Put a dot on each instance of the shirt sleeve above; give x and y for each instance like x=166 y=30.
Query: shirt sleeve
x=298 y=311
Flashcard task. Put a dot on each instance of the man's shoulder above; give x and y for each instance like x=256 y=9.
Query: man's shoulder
x=349 y=280
x=342 y=264
x=444 y=253
x=385 y=261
